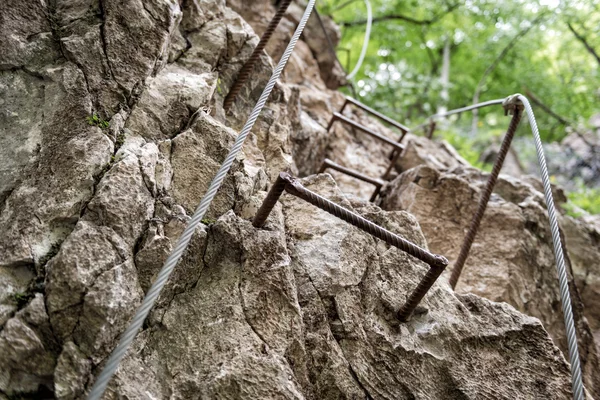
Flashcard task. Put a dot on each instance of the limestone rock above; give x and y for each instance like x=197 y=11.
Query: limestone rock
x=301 y=309
x=40 y=212
x=87 y=253
x=20 y=126
x=171 y=98
x=123 y=201
x=14 y=283
x=196 y=157
x=420 y=150
x=583 y=244
x=26 y=35
x=137 y=35
x=511 y=259
x=28 y=351
x=71 y=373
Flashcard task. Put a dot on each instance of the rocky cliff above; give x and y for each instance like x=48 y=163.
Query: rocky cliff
x=112 y=128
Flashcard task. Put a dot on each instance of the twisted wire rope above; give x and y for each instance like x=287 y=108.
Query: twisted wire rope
x=365 y=45
x=138 y=320
x=576 y=381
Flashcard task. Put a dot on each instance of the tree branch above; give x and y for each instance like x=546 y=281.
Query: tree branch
x=534 y=99
x=401 y=17
x=584 y=41
x=493 y=66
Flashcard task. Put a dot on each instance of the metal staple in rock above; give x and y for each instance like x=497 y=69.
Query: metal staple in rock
x=248 y=67
x=437 y=263
x=516 y=103
x=485 y=197
x=138 y=320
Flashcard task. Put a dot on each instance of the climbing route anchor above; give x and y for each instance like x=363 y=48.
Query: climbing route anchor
x=437 y=263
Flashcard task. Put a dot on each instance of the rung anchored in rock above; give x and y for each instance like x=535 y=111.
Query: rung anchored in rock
x=437 y=263
x=370 y=132
x=248 y=67
x=378 y=183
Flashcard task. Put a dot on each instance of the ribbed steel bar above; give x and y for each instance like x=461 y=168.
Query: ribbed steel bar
x=377 y=114
x=378 y=183
x=327 y=163
x=458 y=111
x=485 y=196
x=348 y=121
x=436 y=262
x=395 y=155
x=431 y=129
x=269 y=202
x=420 y=291
x=248 y=67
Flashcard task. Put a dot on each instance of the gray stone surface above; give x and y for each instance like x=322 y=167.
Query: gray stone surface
x=512 y=258
x=303 y=309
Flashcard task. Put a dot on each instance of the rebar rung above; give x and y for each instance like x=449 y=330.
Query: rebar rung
x=339 y=117
x=377 y=114
x=378 y=183
x=436 y=262
x=327 y=163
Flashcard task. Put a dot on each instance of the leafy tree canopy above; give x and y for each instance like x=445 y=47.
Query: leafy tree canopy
x=545 y=48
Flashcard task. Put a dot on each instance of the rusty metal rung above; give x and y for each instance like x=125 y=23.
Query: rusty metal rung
x=437 y=263
x=377 y=114
x=485 y=195
x=327 y=163
x=248 y=67
x=348 y=121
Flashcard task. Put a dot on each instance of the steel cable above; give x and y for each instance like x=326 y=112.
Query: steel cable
x=138 y=320
x=248 y=67
x=577 y=384
x=458 y=111
x=363 y=51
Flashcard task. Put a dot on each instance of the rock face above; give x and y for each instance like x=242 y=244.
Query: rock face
x=511 y=259
x=112 y=129
x=575 y=159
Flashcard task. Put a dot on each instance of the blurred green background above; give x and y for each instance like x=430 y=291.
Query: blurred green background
x=548 y=50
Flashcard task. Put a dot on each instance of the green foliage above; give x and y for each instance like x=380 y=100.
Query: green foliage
x=95 y=120
x=120 y=140
x=402 y=68
x=208 y=221
x=21 y=299
x=470 y=149
x=583 y=198
x=220 y=87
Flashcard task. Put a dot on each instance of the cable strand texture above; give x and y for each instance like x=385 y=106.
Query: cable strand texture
x=576 y=381
x=140 y=316
x=248 y=67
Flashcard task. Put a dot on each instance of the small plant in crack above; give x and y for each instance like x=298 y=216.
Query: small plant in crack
x=21 y=299
x=119 y=140
x=96 y=120
x=219 y=86
x=208 y=221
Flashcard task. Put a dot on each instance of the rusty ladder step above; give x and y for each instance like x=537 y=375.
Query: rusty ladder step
x=378 y=183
